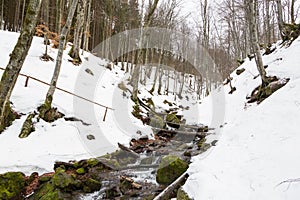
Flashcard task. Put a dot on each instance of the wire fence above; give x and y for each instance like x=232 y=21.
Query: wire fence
x=63 y=90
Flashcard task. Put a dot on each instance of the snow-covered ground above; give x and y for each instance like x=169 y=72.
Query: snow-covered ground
x=257 y=155
x=62 y=140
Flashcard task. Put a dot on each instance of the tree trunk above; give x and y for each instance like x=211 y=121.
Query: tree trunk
x=16 y=61
x=46 y=11
x=1 y=15
x=74 y=52
x=280 y=19
x=254 y=40
x=87 y=28
x=135 y=77
x=293 y=12
x=63 y=35
x=23 y=12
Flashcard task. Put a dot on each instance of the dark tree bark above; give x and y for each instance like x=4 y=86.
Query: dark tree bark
x=1 y=14
x=16 y=61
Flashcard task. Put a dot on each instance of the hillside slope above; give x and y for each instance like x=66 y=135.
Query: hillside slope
x=257 y=156
x=62 y=140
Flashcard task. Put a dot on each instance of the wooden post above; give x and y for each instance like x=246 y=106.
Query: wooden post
x=26 y=82
x=105 y=114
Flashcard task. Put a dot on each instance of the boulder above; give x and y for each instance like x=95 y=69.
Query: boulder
x=11 y=185
x=170 y=168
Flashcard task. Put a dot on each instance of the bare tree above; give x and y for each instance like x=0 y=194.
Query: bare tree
x=16 y=61
x=49 y=97
x=252 y=6
x=280 y=19
x=135 y=76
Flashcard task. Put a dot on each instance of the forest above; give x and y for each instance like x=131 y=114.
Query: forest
x=149 y=67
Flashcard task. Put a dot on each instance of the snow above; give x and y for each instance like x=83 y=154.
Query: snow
x=256 y=156
x=63 y=140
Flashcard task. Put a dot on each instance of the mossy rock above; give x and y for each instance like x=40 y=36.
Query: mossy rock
x=150 y=103
x=170 y=168
x=92 y=162
x=47 y=191
x=173 y=120
x=147 y=161
x=64 y=181
x=44 y=179
x=11 y=185
x=9 y=117
x=28 y=126
x=240 y=71
x=182 y=195
x=157 y=122
x=91 y=185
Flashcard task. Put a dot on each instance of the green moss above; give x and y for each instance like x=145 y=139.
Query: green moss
x=11 y=185
x=137 y=111
x=170 y=168
x=80 y=171
x=28 y=126
x=172 y=118
x=47 y=192
x=8 y=117
x=92 y=162
x=63 y=181
x=44 y=179
x=182 y=195
x=91 y=185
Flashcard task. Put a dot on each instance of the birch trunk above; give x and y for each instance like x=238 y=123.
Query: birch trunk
x=16 y=61
x=254 y=40
x=63 y=35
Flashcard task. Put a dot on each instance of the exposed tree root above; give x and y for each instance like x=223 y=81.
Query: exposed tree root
x=264 y=91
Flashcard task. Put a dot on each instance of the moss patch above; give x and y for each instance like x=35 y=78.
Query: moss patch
x=170 y=168
x=11 y=185
x=182 y=195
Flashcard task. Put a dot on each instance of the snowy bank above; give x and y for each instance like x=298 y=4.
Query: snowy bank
x=256 y=156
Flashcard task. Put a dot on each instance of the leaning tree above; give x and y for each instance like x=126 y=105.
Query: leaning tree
x=17 y=57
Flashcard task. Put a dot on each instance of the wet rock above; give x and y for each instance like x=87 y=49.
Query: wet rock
x=240 y=71
x=87 y=70
x=64 y=181
x=91 y=185
x=173 y=120
x=170 y=168
x=157 y=122
x=112 y=193
x=127 y=185
x=47 y=191
x=11 y=185
x=90 y=137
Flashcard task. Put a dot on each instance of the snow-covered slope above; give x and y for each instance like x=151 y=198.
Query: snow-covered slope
x=62 y=140
x=257 y=155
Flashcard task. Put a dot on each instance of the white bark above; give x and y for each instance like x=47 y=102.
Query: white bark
x=62 y=40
